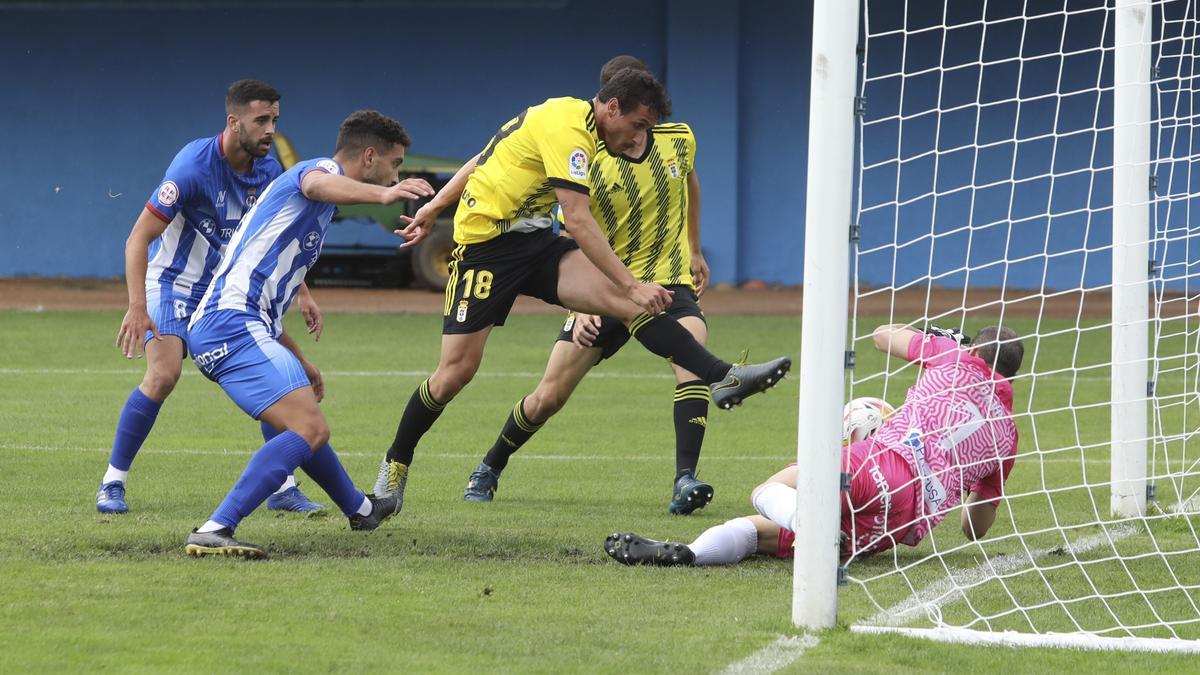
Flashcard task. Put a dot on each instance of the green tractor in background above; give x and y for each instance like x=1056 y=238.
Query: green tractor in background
x=360 y=247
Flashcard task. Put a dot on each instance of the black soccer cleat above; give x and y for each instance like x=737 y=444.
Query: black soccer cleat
x=221 y=542
x=630 y=549
x=745 y=380
x=382 y=508
x=481 y=486
x=690 y=493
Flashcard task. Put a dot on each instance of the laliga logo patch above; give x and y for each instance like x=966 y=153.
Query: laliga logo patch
x=311 y=240
x=329 y=165
x=208 y=226
x=168 y=193
x=570 y=322
x=462 y=311
x=577 y=164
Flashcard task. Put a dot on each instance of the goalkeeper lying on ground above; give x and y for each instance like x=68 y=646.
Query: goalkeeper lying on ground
x=954 y=431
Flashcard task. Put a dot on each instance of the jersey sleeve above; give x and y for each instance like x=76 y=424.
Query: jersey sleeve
x=991 y=487
x=176 y=188
x=691 y=149
x=933 y=350
x=567 y=149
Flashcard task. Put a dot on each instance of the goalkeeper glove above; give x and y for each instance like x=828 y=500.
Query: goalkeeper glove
x=955 y=334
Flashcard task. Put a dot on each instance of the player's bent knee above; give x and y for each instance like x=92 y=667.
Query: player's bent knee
x=159 y=383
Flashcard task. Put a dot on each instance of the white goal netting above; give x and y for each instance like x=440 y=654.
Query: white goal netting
x=985 y=195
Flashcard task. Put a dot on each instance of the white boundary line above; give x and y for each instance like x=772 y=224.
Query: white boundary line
x=1059 y=640
x=779 y=654
x=250 y=448
x=425 y=373
x=945 y=591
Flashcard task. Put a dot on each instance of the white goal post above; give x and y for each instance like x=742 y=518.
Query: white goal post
x=1027 y=164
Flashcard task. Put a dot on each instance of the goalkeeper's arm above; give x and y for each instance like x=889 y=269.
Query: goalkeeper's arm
x=978 y=515
x=894 y=339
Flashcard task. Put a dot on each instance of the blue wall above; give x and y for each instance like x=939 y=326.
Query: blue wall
x=97 y=101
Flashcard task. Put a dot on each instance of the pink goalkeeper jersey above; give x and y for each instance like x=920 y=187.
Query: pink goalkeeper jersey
x=955 y=429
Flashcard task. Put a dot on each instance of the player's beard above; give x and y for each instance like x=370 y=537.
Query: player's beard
x=254 y=149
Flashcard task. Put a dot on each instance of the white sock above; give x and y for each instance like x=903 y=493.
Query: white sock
x=777 y=503
x=210 y=526
x=725 y=544
x=365 y=508
x=289 y=483
x=116 y=474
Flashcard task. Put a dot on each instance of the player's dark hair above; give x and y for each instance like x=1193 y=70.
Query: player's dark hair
x=1001 y=348
x=369 y=129
x=618 y=63
x=633 y=87
x=242 y=92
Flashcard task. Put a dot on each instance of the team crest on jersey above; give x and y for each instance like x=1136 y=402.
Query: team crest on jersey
x=329 y=165
x=251 y=196
x=577 y=164
x=462 y=311
x=672 y=168
x=311 y=240
x=168 y=194
x=208 y=226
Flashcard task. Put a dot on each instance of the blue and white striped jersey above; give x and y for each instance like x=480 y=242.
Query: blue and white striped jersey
x=201 y=198
x=272 y=249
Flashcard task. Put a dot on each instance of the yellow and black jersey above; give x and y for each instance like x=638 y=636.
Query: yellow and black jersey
x=552 y=145
x=642 y=205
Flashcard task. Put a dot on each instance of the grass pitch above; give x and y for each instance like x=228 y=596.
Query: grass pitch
x=520 y=585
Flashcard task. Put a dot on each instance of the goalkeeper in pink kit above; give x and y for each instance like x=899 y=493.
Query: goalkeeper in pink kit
x=954 y=433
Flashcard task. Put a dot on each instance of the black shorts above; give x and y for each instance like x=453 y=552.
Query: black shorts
x=486 y=278
x=613 y=334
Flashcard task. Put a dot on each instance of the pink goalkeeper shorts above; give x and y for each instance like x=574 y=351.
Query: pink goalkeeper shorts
x=880 y=506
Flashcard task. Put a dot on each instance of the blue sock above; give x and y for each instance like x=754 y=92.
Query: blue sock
x=268 y=431
x=134 y=425
x=325 y=470
x=263 y=475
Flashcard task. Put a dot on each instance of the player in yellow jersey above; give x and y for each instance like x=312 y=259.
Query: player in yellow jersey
x=648 y=202
x=507 y=247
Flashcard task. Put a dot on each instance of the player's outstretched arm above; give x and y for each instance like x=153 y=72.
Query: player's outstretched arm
x=334 y=189
x=894 y=339
x=652 y=298
x=699 y=264
x=419 y=225
x=146 y=229
x=977 y=516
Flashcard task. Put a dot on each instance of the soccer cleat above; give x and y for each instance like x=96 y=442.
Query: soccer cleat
x=690 y=494
x=382 y=508
x=221 y=542
x=391 y=480
x=630 y=549
x=481 y=487
x=110 y=498
x=292 y=499
x=744 y=380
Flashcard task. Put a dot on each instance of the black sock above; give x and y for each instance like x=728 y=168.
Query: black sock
x=664 y=336
x=691 y=419
x=517 y=430
x=420 y=414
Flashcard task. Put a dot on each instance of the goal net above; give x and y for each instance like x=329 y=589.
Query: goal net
x=1029 y=164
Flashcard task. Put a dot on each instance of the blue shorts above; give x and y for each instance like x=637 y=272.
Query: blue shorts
x=236 y=350
x=170 y=315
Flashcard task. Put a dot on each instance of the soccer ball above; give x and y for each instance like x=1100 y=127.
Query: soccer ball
x=862 y=417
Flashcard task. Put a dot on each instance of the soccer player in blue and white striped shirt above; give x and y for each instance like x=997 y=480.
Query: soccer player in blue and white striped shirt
x=237 y=339
x=170 y=257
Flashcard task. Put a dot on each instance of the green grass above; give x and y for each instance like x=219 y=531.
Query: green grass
x=520 y=585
